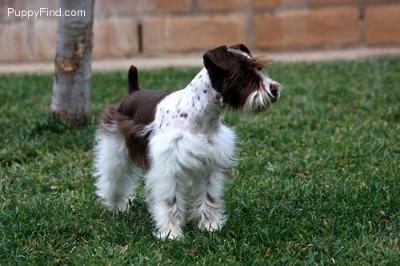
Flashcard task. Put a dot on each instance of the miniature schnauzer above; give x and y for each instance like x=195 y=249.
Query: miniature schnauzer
x=180 y=141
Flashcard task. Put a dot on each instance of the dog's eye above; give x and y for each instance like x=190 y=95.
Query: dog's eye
x=259 y=68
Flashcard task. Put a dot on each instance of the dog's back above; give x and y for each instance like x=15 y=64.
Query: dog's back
x=131 y=117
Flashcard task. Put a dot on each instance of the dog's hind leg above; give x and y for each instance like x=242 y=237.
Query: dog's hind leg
x=117 y=177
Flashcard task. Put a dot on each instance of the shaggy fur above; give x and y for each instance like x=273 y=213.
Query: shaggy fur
x=180 y=141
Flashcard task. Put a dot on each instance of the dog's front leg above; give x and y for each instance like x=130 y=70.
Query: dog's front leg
x=166 y=202
x=208 y=206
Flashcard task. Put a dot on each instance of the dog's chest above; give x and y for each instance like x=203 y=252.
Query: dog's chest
x=194 y=152
x=187 y=127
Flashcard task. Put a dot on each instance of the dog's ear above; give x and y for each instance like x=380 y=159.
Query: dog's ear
x=241 y=47
x=133 y=79
x=217 y=61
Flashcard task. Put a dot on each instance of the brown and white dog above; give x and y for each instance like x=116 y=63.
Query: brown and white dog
x=180 y=141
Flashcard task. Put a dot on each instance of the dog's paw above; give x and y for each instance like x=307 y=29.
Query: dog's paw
x=212 y=223
x=117 y=206
x=171 y=234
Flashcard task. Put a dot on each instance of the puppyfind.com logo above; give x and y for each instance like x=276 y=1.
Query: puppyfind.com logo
x=44 y=12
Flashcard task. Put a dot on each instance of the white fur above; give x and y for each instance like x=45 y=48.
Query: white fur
x=180 y=159
x=198 y=100
x=192 y=149
x=117 y=176
x=236 y=51
x=189 y=148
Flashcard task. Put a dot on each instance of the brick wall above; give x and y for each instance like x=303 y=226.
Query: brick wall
x=125 y=28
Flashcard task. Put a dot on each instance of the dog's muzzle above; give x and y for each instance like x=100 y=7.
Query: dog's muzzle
x=274 y=92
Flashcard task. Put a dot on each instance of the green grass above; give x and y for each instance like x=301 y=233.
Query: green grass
x=318 y=179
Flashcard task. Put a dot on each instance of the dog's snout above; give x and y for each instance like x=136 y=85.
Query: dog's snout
x=274 y=89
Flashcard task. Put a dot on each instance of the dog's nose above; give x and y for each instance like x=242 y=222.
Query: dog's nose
x=274 y=89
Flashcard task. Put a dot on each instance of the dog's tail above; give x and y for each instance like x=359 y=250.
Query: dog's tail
x=133 y=79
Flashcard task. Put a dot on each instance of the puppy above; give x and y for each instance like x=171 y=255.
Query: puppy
x=180 y=141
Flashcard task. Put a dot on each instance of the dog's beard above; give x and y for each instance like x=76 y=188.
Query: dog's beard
x=257 y=101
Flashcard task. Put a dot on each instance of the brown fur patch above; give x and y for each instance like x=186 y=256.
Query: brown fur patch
x=133 y=80
x=135 y=112
x=233 y=75
x=210 y=199
x=259 y=62
x=241 y=81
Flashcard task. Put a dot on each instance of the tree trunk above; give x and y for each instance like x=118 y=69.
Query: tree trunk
x=73 y=70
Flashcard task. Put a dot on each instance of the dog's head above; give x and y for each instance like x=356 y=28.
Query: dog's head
x=237 y=76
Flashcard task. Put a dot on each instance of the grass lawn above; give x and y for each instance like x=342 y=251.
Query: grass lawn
x=318 y=179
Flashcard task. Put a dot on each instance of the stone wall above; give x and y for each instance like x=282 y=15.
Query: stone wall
x=125 y=28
